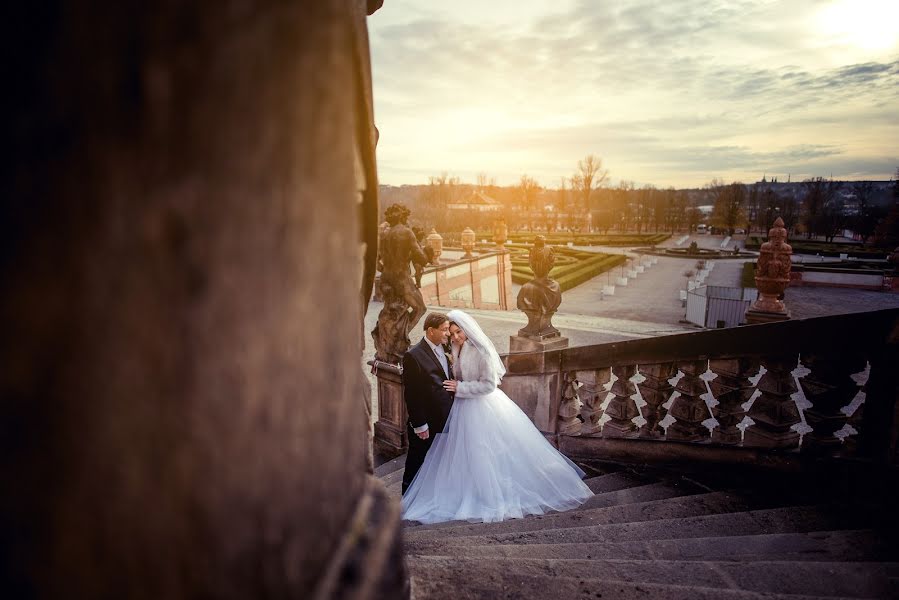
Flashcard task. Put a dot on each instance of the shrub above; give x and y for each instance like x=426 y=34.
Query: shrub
x=747 y=276
x=578 y=268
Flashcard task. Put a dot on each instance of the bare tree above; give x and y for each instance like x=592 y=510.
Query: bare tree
x=528 y=191
x=867 y=216
x=562 y=196
x=887 y=231
x=590 y=175
x=728 y=200
x=819 y=196
x=485 y=183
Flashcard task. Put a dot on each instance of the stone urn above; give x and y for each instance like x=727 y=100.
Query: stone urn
x=435 y=242
x=468 y=238
x=500 y=234
x=772 y=273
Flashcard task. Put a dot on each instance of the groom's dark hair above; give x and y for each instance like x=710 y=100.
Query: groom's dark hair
x=435 y=320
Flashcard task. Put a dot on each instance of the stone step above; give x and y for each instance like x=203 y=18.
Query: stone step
x=391 y=478
x=644 y=493
x=776 y=520
x=641 y=493
x=833 y=546
x=612 y=482
x=855 y=579
x=395 y=488
x=457 y=583
x=671 y=508
x=390 y=466
x=612 y=487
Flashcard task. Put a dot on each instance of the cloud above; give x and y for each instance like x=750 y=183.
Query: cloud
x=653 y=88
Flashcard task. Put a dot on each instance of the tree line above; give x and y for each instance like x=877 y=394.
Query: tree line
x=816 y=207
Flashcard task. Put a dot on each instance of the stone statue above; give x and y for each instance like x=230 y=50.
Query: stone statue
x=540 y=297
x=772 y=273
x=403 y=304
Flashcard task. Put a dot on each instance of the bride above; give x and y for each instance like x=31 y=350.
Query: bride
x=490 y=463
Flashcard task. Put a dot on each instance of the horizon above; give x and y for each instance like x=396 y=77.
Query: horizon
x=670 y=96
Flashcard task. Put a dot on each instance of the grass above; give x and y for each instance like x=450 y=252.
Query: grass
x=586 y=239
x=801 y=246
x=747 y=276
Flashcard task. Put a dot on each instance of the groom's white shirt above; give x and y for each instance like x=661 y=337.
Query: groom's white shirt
x=441 y=358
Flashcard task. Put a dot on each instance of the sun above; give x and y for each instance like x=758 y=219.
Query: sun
x=865 y=24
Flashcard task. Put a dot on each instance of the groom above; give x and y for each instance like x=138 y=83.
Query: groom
x=425 y=368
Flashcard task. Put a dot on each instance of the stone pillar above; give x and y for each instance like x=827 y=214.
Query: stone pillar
x=533 y=381
x=391 y=433
x=181 y=309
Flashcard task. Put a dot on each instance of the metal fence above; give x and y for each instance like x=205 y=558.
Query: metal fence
x=717 y=306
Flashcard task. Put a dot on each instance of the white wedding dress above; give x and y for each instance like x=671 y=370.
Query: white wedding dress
x=490 y=463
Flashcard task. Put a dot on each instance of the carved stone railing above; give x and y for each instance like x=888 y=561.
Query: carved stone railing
x=814 y=387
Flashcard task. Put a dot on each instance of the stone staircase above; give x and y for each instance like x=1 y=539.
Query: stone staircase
x=648 y=533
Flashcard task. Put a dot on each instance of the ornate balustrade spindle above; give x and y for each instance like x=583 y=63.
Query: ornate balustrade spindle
x=621 y=408
x=774 y=411
x=569 y=406
x=592 y=393
x=689 y=409
x=655 y=391
x=731 y=388
x=829 y=387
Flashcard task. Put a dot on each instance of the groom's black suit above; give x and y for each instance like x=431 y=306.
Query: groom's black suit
x=426 y=400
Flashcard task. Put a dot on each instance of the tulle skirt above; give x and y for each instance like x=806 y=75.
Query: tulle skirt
x=491 y=464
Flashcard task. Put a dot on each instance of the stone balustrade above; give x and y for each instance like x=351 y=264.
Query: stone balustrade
x=818 y=387
x=483 y=281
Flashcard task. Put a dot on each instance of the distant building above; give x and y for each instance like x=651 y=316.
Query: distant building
x=478 y=201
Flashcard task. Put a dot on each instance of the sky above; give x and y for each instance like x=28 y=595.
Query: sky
x=671 y=93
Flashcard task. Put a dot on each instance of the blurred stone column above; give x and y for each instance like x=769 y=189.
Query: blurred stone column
x=181 y=314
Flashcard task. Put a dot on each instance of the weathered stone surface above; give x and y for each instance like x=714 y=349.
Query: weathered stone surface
x=181 y=312
x=787 y=520
x=855 y=545
x=629 y=512
x=489 y=582
x=854 y=580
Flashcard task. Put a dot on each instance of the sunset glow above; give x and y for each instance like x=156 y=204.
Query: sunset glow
x=668 y=94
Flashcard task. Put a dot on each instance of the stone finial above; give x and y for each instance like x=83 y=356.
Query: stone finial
x=468 y=238
x=435 y=242
x=500 y=234
x=538 y=299
x=772 y=275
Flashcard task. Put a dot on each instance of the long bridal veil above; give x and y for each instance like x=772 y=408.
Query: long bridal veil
x=479 y=340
